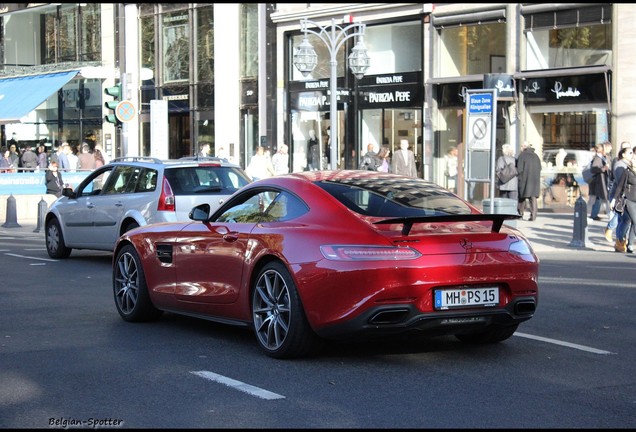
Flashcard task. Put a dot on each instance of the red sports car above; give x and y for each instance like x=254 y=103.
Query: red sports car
x=305 y=257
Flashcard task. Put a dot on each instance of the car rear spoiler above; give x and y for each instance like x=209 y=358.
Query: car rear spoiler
x=407 y=222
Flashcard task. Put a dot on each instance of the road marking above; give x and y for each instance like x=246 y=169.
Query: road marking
x=28 y=257
x=567 y=344
x=588 y=282
x=238 y=385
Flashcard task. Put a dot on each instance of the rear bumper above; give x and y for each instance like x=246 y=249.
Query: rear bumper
x=406 y=318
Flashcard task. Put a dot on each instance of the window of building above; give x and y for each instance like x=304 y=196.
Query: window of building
x=249 y=40
x=472 y=49
x=568 y=38
x=176 y=47
x=390 y=47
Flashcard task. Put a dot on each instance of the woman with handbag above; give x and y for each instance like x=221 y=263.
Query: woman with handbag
x=627 y=188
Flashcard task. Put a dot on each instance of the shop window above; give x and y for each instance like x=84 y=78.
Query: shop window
x=567 y=38
x=569 y=47
x=470 y=49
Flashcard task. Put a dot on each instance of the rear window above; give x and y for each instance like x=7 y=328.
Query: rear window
x=205 y=180
x=394 y=197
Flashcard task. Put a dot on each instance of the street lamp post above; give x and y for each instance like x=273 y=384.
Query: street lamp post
x=306 y=59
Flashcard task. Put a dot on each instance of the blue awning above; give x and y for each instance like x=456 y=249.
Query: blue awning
x=21 y=95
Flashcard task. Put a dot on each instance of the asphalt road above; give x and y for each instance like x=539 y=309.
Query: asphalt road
x=68 y=360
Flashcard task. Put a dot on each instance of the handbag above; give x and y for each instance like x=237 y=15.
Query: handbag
x=507 y=173
x=619 y=204
x=619 y=201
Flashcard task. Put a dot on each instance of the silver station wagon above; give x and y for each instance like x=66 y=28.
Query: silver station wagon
x=136 y=191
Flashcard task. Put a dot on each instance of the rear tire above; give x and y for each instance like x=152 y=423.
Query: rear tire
x=55 y=245
x=130 y=289
x=492 y=334
x=280 y=324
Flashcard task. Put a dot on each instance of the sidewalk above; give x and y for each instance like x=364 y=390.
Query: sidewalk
x=550 y=232
x=555 y=232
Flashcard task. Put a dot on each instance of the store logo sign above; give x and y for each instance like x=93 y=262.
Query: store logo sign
x=559 y=92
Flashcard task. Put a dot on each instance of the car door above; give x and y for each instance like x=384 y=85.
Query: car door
x=210 y=258
x=77 y=214
x=111 y=204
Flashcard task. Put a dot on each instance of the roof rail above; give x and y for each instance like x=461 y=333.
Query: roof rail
x=137 y=159
x=204 y=158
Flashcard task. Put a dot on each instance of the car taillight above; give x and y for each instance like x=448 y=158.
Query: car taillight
x=166 y=199
x=368 y=253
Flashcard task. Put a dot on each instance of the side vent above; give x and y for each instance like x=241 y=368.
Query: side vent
x=164 y=253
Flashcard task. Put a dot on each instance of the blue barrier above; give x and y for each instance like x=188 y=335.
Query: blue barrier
x=32 y=183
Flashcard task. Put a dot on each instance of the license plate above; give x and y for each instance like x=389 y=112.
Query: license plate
x=465 y=297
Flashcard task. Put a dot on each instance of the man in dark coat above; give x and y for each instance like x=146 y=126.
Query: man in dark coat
x=529 y=175
x=599 y=186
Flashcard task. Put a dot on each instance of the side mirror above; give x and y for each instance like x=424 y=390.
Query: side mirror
x=200 y=213
x=68 y=192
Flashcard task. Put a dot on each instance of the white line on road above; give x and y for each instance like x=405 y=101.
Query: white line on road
x=567 y=344
x=33 y=258
x=238 y=385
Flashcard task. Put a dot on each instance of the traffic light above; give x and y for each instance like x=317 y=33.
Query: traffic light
x=116 y=93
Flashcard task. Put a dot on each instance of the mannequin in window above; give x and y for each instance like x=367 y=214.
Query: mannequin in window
x=313 y=152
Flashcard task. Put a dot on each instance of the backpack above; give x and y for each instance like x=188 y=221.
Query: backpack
x=588 y=176
x=507 y=173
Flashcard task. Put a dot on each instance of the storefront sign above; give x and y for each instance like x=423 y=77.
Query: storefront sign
x=565 y=89
x=249 y=92
x=454 y=94
x=504 y=85
x=317 y=100
x=390 y=96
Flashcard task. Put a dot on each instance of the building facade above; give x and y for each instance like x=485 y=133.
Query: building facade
x=224 y=74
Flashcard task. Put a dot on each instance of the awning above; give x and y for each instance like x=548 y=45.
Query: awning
x=21 y=95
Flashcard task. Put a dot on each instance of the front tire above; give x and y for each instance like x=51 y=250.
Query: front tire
x=130 y=289
x=492 y=334
x=55 y=245
x=280 y=324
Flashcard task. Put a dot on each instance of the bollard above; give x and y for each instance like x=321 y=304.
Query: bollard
x=42 y=208
x=12 y=217
x=579 y=234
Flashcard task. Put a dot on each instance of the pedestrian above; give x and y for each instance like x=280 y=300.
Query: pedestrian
x=450 y=169
x=61 y=158
x=53 y=180
x=599 y=186
x=385 y=158
x=619 y=163
x=280 y=160
x=508 y=186
x=99 y=158
x=313 y=152
x=403 y=161
x=73 y=160
x=260 y=165
x=370 y=160
x=105 y=156
x=627 y=186
x=529 y=180
x=205 y=149
x=222 y=154
x=86 y=160
x=14 y=156
x=5 y=162
x=28 y=159
x=43 y=157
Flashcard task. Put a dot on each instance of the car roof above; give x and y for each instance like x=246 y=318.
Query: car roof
x=173 y=163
